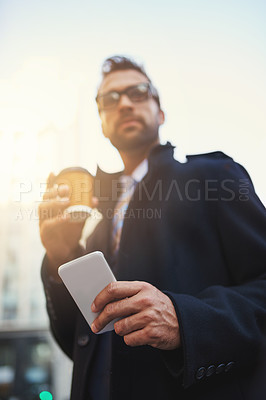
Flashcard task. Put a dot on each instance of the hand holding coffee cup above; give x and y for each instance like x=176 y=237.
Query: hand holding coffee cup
x=59 y=235
x=80 y=183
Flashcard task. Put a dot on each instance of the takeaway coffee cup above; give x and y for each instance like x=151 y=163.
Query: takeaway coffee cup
x=80 y=183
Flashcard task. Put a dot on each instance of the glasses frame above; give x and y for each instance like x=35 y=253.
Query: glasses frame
x=151 y=93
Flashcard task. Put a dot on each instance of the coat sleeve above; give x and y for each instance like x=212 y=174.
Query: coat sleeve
x=223 y=329
x=61 y=309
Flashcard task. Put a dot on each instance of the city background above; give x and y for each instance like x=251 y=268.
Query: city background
x=208 y=61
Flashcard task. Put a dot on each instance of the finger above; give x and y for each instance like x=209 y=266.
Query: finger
x=115 y=291
x=131 y=323
x=52 y=209
x=63 y=190
x=61 y=221
x=114 y=310
x=138 y=338
x=50 y=180
x=54 y=227
x=52 y=223
x=94 y=202
x=50 y=193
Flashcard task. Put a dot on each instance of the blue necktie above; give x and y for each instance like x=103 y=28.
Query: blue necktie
x=128 y=185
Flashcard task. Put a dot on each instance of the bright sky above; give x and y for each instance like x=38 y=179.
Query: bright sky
x=206 y=57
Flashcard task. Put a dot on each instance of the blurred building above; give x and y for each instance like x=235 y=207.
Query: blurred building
x=30 y=361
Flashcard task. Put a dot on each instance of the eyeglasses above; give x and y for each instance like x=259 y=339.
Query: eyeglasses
x=136 y=94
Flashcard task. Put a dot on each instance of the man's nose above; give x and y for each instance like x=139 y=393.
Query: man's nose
x=124 y=102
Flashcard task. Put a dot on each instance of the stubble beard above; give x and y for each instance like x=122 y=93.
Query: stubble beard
x=144 y=138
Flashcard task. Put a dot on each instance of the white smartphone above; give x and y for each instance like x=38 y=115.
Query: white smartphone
x=84 y=278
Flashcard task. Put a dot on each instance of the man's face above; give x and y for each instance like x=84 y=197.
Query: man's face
x=129 y=125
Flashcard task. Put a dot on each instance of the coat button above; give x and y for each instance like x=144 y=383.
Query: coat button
x=210 y=370
x=229 y=366
x=220 y=368
x=83 y=340
x=200 y=373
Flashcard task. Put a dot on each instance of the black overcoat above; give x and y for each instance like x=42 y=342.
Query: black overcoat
x=196 y=231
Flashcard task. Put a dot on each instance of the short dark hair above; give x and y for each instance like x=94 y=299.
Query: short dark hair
x=121 y=63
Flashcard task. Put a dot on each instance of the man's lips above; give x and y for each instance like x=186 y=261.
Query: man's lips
x=129 y=123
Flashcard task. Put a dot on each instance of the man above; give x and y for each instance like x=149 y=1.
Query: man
x=190 y=264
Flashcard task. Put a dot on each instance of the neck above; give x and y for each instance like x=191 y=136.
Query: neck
x=133 y=158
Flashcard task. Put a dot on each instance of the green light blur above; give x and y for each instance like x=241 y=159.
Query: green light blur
x=46 y=395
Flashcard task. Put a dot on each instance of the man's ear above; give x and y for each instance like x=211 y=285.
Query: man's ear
x=161 y=117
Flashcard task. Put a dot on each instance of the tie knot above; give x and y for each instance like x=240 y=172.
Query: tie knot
x=127 y=184
x=127 y=180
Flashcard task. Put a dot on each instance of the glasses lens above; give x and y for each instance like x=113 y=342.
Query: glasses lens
x=108 y=100
x=139 y=92
x=136 y=94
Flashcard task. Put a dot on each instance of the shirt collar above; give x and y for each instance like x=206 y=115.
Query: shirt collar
x=140 y=171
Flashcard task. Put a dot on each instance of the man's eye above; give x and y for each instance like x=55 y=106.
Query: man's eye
x=114 y=95
x=110 y=98
x=138 y=93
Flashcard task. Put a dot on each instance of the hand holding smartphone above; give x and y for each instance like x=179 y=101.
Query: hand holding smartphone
x=84 y=278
